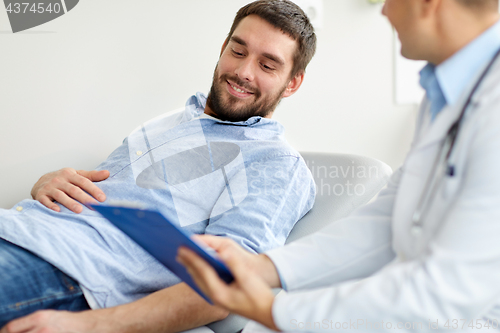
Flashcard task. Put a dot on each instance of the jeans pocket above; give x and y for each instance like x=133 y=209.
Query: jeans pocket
x=47 y=288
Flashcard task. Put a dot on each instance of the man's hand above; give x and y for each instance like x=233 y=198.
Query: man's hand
x=250 y=294
x=68 y=186
x=52 y=322
x=173 y=309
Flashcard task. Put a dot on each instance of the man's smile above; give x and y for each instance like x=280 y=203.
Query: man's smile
x=237 y=90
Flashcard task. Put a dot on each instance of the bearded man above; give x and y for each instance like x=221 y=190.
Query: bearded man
x=220 y=166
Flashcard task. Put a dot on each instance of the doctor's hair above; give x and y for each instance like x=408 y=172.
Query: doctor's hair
x=289 y=18
x=480 y=5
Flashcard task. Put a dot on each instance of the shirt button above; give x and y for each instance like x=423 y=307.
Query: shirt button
x=139 y=153
x=19 y=208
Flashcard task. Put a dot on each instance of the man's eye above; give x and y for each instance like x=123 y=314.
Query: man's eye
x=267 y=68
x=236 y=53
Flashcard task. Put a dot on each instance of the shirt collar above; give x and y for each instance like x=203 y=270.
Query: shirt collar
x=198 y=102
x=458 y=71
x=429 y=81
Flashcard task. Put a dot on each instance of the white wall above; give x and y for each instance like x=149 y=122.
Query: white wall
x=72 y=89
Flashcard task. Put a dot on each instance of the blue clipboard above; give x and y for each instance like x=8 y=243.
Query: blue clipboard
x=153 y=232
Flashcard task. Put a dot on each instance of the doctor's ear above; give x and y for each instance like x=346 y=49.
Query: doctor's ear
x=294 y=84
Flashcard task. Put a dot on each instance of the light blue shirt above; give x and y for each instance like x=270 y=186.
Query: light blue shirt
x=445 y=83
x=241 y=180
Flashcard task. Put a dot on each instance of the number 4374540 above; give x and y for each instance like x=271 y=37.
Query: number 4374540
x=35 y=8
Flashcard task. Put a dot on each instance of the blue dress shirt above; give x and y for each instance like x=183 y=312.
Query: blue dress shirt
x=236 y=179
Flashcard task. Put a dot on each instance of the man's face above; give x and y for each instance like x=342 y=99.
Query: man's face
x=402 y=14
x=253 y=72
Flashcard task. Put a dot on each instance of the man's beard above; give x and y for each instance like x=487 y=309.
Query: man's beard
x=225 y=110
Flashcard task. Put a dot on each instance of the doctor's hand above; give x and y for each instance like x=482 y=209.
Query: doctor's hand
x=68 y=186
x=250 y=293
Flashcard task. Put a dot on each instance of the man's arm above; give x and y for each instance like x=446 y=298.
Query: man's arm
x=173 y=309
x=69 y=187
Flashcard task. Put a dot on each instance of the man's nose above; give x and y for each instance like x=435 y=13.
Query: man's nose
x=246 y=70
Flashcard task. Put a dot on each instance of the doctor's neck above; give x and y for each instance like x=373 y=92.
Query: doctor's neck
x=454 y=26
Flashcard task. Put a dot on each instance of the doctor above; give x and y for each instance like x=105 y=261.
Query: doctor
x=426 y=254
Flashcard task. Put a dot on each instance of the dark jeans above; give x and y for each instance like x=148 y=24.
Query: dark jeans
x=29 y=283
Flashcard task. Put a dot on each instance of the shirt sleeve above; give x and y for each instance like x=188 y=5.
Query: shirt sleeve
x=280 y=191
x=456 y=279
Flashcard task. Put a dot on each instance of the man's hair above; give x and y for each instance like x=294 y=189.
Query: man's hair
x=491 y=5
x=289 y=18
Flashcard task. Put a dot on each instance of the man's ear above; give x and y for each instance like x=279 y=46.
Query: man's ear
x=224 y=46
x=294 y=84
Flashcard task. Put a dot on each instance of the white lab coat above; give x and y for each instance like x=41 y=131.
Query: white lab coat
x=449 y=273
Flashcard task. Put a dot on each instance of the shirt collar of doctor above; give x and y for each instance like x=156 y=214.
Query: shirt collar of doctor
x=455 y=74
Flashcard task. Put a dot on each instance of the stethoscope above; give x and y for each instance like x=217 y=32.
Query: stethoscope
x=441 y=164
